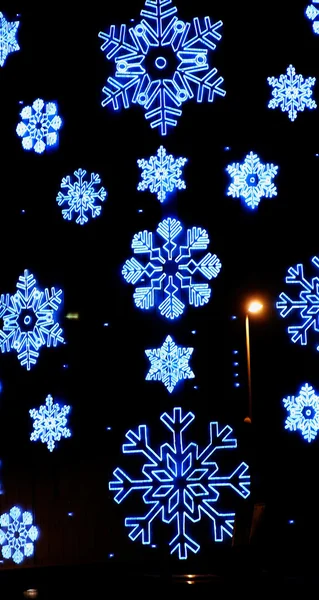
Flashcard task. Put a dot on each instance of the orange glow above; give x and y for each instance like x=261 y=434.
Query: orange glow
x=255 y=307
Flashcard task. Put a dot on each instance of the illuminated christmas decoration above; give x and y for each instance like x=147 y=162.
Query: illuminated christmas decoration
x=169 y=364
x=81 y=197
x=313 y=14
x=39 y=126
x=50 y=423
x=161 y=174
x=17 y=535
x=8 y=39
x=303 y=412
x=180 y=483
x=252 y=180
x=292 y=93
x=305 y=305
x=161 y=62
x=29 y=320
x=170 y=268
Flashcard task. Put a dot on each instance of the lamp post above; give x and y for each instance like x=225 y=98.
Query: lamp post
x=254 y=307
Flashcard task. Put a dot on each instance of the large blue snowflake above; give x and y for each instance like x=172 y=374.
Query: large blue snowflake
x=50 y=422
x=81 y=197
x=29 y=320
x=8 y=39
x=39 y=126
x=161 y=63
x=306 y=305
x=17 y=535
x=161 y=174
x=169 y=364
x=252 y=180
x=170 y=268
x=303 y=412
x=292 y=93
x=313 y=14
x=180 y=483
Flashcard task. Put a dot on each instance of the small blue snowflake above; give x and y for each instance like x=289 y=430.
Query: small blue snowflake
x=39 y=126
x=81 y=197
x=161 y=174
x=303 y=412
x=50 y=423
x=170 y=268
x=8 y=40
x=17 y=535
x=292 y=93
x=313 y=14
x=169 y=364
x=29 y=320
x=252 y=180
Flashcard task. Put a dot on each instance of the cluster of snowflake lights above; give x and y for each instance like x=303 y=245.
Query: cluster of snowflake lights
x=170 y=268
x=39 y=126
x=8 y=39
x=161 y=174
x=305 y=307
x=81 y=197
x=313 y=14
x=161 y=63
x=17 y=535
x=49 y=423
x=252 y=180
x=303 y=412
x=180 y=483
x=169 y=364
x=292 y=93
x=29 y=320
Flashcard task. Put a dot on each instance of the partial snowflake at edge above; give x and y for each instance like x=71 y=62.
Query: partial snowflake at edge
x=292 y=93
x=303 y=412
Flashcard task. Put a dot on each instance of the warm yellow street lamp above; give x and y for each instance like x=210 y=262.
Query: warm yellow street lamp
x=254 y=307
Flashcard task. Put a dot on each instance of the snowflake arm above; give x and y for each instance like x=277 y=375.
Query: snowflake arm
x=81 y=197
x=169 y=364
x=312 y=13
x=17 y=535
x=50 y=423
x=303 y=412
x=8 y=38
x=292 y=93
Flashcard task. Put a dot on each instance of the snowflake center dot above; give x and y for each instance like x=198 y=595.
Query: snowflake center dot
x=252 y=180
x=171 y=268
x=161 y=62
x=16 y=535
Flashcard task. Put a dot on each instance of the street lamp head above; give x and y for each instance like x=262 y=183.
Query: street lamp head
x=255 y=307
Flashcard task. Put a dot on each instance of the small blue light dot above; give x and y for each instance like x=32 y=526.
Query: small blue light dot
x=20 y=101
x=111 y=555
x=140 y=210
x=236 y=375
x=194 y=331
x=65 y=366
x=23 y=211
x=235 y=364
x=153 y=546
x=195 y=387
x=237 y=385
x=105 y=324
x=108 y=428
x=227 y=148
x=291 y=522
x=234 y=317
x=70 y=514
x=235 y=351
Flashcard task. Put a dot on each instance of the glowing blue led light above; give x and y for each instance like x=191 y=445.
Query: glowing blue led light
x=180 y=483
x=160 y=63
x=313 y=14
x=161 y=174
x=81 y=197
x=50 y=422
x=8 y=39
x=39 y=126
x=252 y=180
x=170 y=268
x=305 y=306
x=30 y=320
x=17 y=535
x=292 y=93
x=169 y=364
x=303 y=412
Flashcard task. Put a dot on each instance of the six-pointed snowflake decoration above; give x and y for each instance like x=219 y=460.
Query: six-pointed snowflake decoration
x=252 y=180
x=161 y=174
x=169 y=364
x=180 y=483
x=29 y=320
x=17 y=534
x=292 y=93
x=39 y=126
x=313 y=14
x=303 y=412
x=81 y=197
x=306 y=305
x=50 y=423
x=8 y=40
x=170 y=268
x=161 y=62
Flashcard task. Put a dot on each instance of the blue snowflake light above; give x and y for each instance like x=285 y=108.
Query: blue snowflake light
x=170 y=268
x=303 y=412
x=161 y=62
x=17 y=535
x=50 y=423
x=29 y=320
x=313 y=14
x=180 y=484
x=169 y=364
x=161 y=174
x=252 y=180
x=305 y=305
x=81 y=197
x=8 y=39
x=292 y=93
x=39 y=126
